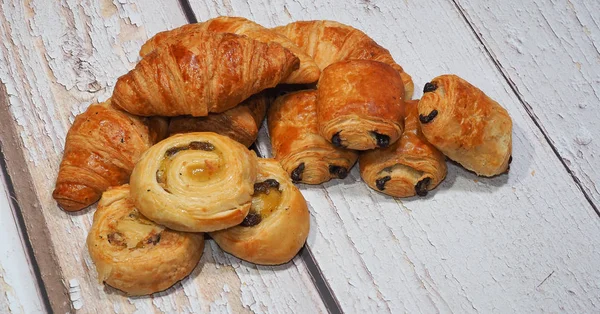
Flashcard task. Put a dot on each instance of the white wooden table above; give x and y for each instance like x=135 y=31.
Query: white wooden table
x=526 y=242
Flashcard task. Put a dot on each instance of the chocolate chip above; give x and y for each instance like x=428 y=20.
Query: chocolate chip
x=336 y=140
x=297 y=173
x=509 y=159
x=338 y=171
x=421 y=187
x=380 y=183
x=429 y=87
x=429 y=117
x=252 y=219
x=263 y=187
x=201 y=146
x=382 y=139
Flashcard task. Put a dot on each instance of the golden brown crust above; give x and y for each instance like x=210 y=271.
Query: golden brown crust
x=304 y=154
x=466 y=125
x=308 y=71
x=359 y=104
x=241 y=123
x=328 y=42
x=195 y=182
x=409 y=167
x=135 y=255
x=200 y=72
x=280 y=234
x=101 y=148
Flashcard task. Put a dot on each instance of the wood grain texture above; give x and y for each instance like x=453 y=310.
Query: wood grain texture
x=517 y=243
x=55 y=59
x=551 y=55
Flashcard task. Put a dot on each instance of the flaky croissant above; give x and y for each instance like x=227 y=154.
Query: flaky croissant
x=195 y=73
x=305 y=155
x=308 y=71
x=411 y=166
x=134 y=254
x=328 y=42
x=241 y=123
x=101 y=149
x=466 y=125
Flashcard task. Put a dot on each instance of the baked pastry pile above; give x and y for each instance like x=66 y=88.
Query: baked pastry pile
x=168 y=157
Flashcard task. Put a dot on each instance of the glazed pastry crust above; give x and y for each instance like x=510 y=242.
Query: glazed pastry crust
x=149 y=263
x=328 y=42
x=407 y=162
x=279 y=236
x=195 y=73
x=101 y=148
x=308 y=72
x=296 y=141
x=241 y=123
x=470 y=128
x=195 y=182
x=359 y=99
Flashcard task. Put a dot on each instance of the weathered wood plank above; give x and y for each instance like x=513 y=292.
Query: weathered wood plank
x=550 y=52
x=517 y=243
x=55 y=59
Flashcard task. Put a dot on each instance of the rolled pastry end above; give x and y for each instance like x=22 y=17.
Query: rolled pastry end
x=400 y=180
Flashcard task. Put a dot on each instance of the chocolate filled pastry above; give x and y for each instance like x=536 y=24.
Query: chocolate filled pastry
x=466 y=125
x=134 y=254
x=101 y=148
x=276 y=226
x=304 y=154
x=195 y=73
x=411 y=166
x=195 y=182
x=241 y=123
x=328 y=42
x=308 y=72
x=359 y=104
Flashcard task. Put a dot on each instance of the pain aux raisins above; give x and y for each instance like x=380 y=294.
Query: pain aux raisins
x=421 y=187
x=338 y=171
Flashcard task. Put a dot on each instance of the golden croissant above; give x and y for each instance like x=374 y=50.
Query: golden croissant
x=195 y=73
x=308 y=72
x=241 y=123
x=328 y=42
x=101 y=149
x=466 y=125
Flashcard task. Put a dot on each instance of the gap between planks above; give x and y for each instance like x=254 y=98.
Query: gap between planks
x=524 y=103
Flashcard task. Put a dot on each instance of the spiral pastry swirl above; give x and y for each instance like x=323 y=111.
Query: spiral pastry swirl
x=197 y=182
x=135 y=255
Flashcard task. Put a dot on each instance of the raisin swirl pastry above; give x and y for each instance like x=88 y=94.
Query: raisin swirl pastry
x=195 y=182
x=359 y=104
x=466 y=125
x=409 y=167
x=304 y=154
x=134 y=254
x=241 y=123
x=276 y=226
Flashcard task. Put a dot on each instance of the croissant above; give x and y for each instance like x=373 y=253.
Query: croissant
x=359 y=104
x=196 y=182
x=328 y=42
x=276 y=226
x=409 y=167
x=466 y=125
x=241 y=123
x=135 y=255
x=200 y=72
x=304 y=154
x=308 y=71
x=101 y=148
